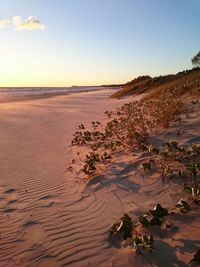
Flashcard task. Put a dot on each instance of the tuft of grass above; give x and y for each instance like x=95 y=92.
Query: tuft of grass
x=132 y=87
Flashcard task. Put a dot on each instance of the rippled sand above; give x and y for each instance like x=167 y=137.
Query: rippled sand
x=49 y=218
x=45 y=218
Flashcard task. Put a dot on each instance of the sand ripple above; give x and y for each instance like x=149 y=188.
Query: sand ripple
x=48 y=218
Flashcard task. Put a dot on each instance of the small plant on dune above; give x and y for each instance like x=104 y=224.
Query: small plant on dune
x=196 y=149
x=154 y=150
x=173 y=146
x=153 y=217
x=173 y=150
x=158 y=211
x=81 y=138
x=105 y=156
x=124 y=226
x=194 y=191
x=194 y=169
x=143 y=147
x=140 y=138
x=91 y=160
x=147 y=165
x=166 y=170
x=183 y=206
x=95 y=124
x=81 y=127
x=143 y=243
x=196 y=258
x=108 y=113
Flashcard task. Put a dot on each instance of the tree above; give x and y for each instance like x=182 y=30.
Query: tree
x=196 y=60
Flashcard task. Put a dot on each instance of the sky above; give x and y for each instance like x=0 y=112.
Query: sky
x=95 y=42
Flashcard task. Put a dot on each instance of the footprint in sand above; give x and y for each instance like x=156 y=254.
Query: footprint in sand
x=33 y=231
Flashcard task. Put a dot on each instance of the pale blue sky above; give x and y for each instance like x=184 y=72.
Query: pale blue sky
x=93 y=42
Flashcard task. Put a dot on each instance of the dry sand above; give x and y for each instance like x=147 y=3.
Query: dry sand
x=48 y=218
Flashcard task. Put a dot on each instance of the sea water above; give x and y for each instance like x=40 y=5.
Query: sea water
x=16 y=91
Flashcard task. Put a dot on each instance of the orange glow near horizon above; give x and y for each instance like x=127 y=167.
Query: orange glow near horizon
x=86 y=43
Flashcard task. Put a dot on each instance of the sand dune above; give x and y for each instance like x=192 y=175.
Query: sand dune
x=50 y=218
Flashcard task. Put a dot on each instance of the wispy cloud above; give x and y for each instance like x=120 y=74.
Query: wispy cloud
x=20 y=24
x=4 y=23
x=27 y=24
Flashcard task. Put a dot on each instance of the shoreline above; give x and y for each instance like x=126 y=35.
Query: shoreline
x=6 y=97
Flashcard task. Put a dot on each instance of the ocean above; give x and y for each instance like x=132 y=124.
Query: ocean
x=17 y=91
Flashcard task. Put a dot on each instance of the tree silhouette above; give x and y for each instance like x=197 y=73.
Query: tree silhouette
x=196 y=60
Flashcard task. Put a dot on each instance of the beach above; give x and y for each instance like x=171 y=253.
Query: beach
x=50 y=217
x=43 y=213
x=99 y=133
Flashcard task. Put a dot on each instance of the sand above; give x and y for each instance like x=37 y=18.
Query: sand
x=50 y=218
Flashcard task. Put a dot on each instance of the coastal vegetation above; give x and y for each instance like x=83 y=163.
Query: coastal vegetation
x=196 y=60
x=179 y=85
x=129 y=128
